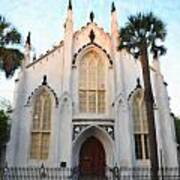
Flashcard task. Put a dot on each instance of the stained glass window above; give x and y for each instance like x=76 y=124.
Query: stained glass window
x=140 y=128
x=41 y=127
x=92 y=83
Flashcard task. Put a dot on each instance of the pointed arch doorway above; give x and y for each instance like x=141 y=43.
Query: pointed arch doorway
x=92 y=158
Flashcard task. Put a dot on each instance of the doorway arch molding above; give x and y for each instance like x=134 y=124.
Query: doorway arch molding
x=101 y=135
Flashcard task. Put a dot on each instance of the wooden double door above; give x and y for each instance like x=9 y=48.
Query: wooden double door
x=92 y=158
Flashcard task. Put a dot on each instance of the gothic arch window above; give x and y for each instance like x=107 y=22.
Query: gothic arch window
x=141 y=134
x=41 y=126
x=92 y=83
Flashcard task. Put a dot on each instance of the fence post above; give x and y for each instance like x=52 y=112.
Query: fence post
x=116 y=174
x=162 y=168
x=6 y=172
x=42 y=171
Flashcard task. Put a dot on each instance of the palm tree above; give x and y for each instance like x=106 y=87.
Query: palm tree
x=140 y=37
x=10 y=57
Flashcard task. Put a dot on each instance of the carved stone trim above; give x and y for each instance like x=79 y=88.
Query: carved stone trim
x=109 y=129
x=78 y=128
x=94 y=44
x=44 y=84
x=93 y=120
x=138 y=86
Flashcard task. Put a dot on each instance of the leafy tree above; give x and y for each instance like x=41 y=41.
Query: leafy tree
x=4 y=134
x=139 y=37
x=177 y=127
x=5 y=108
x=10 y=58
x=4 y=128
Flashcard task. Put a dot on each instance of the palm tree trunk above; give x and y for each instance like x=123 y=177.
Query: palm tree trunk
x=148 y=95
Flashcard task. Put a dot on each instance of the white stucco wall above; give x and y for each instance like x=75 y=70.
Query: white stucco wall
x=62 y=78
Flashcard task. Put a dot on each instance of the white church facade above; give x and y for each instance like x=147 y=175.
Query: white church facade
x=81 y=104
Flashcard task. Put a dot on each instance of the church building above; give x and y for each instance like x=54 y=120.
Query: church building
x=81 y=104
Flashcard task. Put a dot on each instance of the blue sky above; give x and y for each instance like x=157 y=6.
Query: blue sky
x=45 y=20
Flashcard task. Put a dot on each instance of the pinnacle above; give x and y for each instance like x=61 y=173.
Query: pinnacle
x=28 y=39
x=113 y=8
x=70 y=5
x=91 y=16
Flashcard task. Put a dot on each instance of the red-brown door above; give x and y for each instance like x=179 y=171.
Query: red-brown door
x=92 y=157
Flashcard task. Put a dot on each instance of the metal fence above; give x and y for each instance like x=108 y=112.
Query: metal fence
x=46 y=173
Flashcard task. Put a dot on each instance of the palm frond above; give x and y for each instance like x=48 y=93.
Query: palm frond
x=143 y=30
x=8 y=33
x=10 y=60
x=158 y=50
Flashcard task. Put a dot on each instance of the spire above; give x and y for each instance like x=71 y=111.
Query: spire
x=114 y=24
x=91 y=16
x=69 y=20
x=113 y=8
x=68 y=44
x=70 y=5
x=27 y=51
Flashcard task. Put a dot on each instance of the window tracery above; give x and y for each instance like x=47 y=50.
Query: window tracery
x=141 y=134
x=92 y=83
x=41 y=126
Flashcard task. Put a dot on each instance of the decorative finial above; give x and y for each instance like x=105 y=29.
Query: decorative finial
x=92 y=36
x=92 y=16
x=44 y=80
x=138 y=83
x=70 y=5
x=113 y=8
x=28 y=39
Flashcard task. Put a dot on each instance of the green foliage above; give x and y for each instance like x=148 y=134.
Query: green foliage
x=143 y=30
x=10 y=58
x=177 y=127
x=4 y=128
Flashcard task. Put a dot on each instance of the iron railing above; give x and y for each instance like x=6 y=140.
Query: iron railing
x=46 y=173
